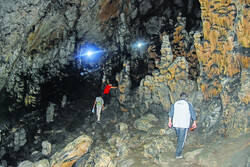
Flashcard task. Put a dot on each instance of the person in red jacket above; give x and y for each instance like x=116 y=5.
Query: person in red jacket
x=106 y=94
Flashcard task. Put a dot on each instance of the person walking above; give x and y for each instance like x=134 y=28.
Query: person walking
x=106 y=94
x=180 y=116
x=99 y=104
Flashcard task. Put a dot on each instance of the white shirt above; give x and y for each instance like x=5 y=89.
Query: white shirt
x=182 y=116
x=99 y=102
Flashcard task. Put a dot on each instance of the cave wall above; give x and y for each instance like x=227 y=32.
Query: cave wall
x=221 y=93
x=223 y=52
x=201 y=48
x=39 y=40
x=224 y=44
x=34 y=47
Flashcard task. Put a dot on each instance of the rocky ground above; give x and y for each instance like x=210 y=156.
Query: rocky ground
x=122 y=139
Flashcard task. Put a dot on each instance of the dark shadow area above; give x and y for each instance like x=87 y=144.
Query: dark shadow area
x=10 y=112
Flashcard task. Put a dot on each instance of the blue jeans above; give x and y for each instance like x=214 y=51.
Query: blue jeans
x=181 y=138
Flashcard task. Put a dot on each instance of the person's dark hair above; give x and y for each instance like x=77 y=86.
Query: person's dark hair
x=183 y=95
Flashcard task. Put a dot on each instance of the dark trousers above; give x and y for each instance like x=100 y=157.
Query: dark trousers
x=106 y=99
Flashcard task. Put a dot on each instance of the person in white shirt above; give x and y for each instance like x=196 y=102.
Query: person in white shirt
x=99 y=103
x=179 y=117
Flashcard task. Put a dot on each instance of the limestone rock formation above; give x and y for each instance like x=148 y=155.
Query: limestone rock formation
x=46 y=148
x=50 y=113
x=19 y=139
x=223 y=51
x=44 y=163
x=124 y=86
x=183 y=46
x=156 y=146
x=40 y=39
x=123 y=145
x=73 y=151
x=199 y=47
x=100 y=157
x=168 y=81
x=210 y=158
x=145 y=123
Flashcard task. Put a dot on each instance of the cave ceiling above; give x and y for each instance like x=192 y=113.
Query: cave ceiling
x=41 y=40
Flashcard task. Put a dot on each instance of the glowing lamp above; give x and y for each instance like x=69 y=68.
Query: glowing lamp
x=139 y=44
x=89 y=53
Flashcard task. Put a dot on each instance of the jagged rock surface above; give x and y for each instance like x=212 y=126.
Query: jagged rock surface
x=40 y=39
x=120 y=143
x=223 y=53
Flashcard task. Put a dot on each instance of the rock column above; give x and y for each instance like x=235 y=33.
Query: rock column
x=50 y=113
x=124 y=86
x=223 y=53
x=167 y=82
x=222 y=48
x=19 y=139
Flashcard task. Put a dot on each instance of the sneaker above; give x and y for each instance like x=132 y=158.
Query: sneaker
x=98 y=122
x=179 y=157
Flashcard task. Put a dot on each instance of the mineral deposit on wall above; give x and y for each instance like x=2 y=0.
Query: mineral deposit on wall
x=224 y=49
x=223 y=52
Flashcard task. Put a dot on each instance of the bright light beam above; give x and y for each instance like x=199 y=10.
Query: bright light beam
x=89 y=53
x=139 y=45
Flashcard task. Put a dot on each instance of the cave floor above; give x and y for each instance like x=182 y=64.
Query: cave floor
x=77 y=119
x=72 y=124
x=219 y=152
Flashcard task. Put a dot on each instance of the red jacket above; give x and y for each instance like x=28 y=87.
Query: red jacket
x=107 y=89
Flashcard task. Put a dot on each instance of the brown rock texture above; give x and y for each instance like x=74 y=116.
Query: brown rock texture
x=109 y=10
x=124 y=85
x=181 y=48
x=244 y=94
x=180 y=41
x=101 y=157
x=168 y=81
x=152 y=58
x=72 y=152
x=225 y=34
x=44 y=37
x=235 y=104
x=223 y=53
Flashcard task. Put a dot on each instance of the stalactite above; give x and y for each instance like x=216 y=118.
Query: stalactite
x=217 y=52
